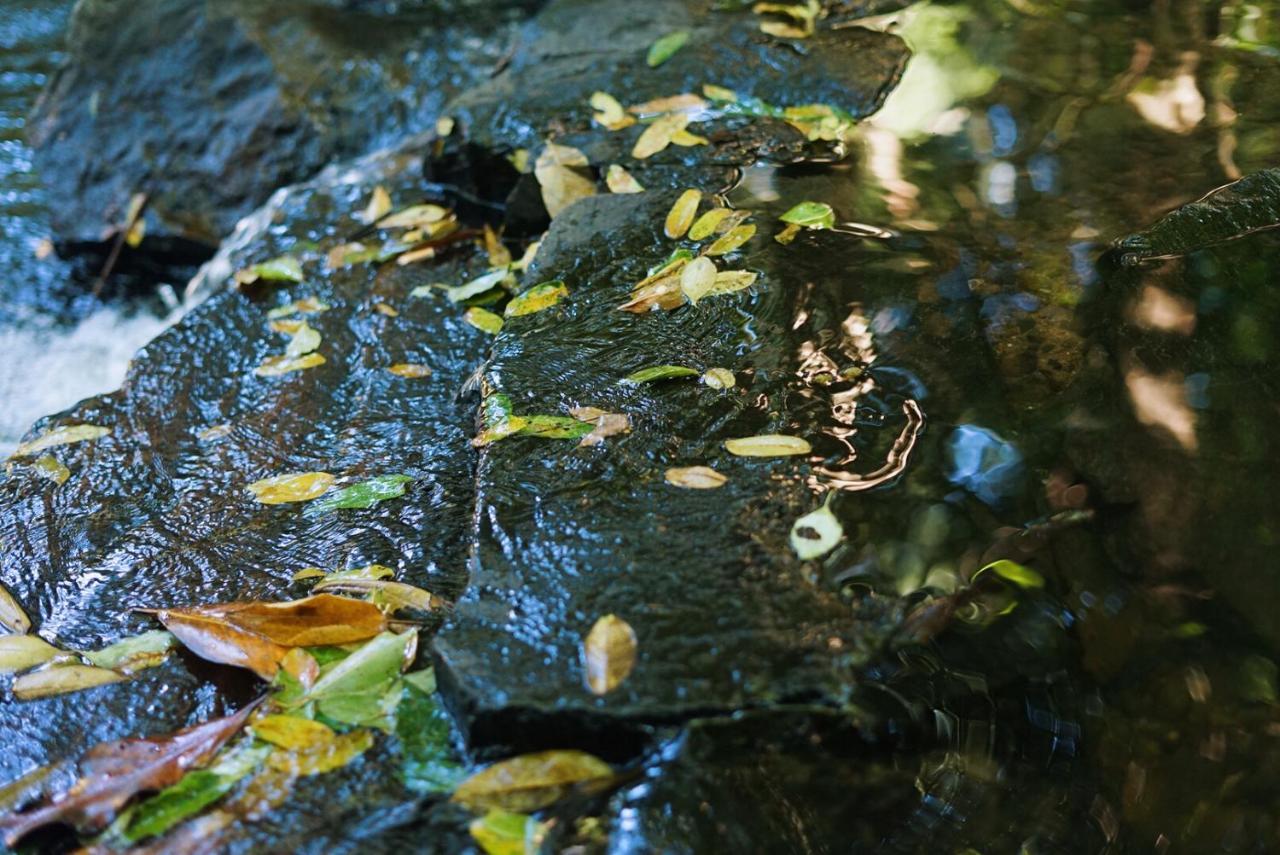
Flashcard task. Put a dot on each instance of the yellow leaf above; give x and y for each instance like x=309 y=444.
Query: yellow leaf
x=719 y=378
x=681 y=215
x=686 y=102
x=379 y=205
x=768 y=445
x=706 y=224
x=48 y=466
x=658 y=135
x=729 y=281
x=321 y=757
x=277 y=365
x=414 y=217
x=609 y=653
x=499 y=255
x=12 y=617
x=536 y=299
x=695 y=477
x=406 y=369
x=292 y=732
x=621 y=181
x=60 y=436
x=732 y=239
x=294 y=487
x=305 y=306
x=609 y=112
x=686 y=139
x=59 y=680
x=561 y=185
x=531 y=781
x=698 y=278
x=303 y=340
x=386 y=309
x=20 y=652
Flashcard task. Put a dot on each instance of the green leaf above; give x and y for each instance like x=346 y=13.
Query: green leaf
x=135 y=653
x=193 y=792
x=424 y=731
x=501 y=832
x=479 y=285
x=20 y=652
x=537 y=298
x=811 y=215
x=366 y=494
x=1012 y=571
x=554 y=427
x=363 y=689
x=659 y=372
x=283 y=268
x=665 y=47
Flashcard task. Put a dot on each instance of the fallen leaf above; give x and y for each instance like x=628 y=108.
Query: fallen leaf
x=537 y=298
x=621 y=181
x=48 y=466
x=20 y=652
x=483 y=320
x=729 y=281
x=810 y=215
x=686 y=139
x=444 y=126
x=705 y=225
x=608 y=653
x=501 y=832
x=719 y=378
x=783 y=30
x=719 y=93
x=499 y=255
x=609 y=113
x=115 y=771
x=61 y=435
x=387 y=309
x=603 y=425
x=659 y=372
x=410 y=370
x=283 y=268
x=305 y=306
x=1012 y=571
x=685 y=102
x=133 y=654
x=361 y=689
x=554 y=427
x=732 y=239
x=302 y=341
x=561 y=184
x=214 y=432
x=414 y=217
x=816 y=533
x=379 y=206
x=291 y=731
x=475 y=287
x=698 y=278
x=293 y=487
x=322 y=756
x=12 y=617
x=768 y=445
x=531 y=781
x=695 y=477
x=530 y=252
x=681 y=215
x=657 y=136
x=277 y=365
x=388 y=595
x=665 y=47
x=366 y=494
x=61 y=679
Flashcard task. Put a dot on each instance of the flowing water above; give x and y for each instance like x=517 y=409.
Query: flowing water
x=1109 y=427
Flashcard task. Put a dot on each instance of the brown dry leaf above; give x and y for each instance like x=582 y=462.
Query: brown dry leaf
x=410 y=370
x=662 y=293
x=606 y=425
x=12 y=617
x=686 y=102
x=658 y=135
x=61 y=679
x=681 y=215
x=531 y=781
x=115 y=771
x=561 y=184
x=379 y=205
x=621 y=181
x=609 y=653
x=587 y=414
x=294 y=487
x=695 y=477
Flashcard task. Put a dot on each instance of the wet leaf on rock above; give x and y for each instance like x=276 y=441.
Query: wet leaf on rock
x=386 y=309
x=665 y=47
x=719 y=378
x=659 y=372
x=537 y=298
x=558 y=172
x=278 y=365
x=366 y=494
x=49 y=467
x=293 y=487
x=424 y=732
x=681 y=215
x=695 y=477
x=411 y=370
x=413 y=217
x=283 y=268
x=305 y=306
x=363 y=689
x=603 y=424
x=483 y=320
x=12 y=616
x=687 y=139
x=609 y=113
x=115 y=771
x=61 y=435
x=608 y=654
x=61 y=679
x=554 y=427
x=732 y=239
x=698 y=278
x=768 y=445
x=477 y=286
x=323 y=756
x=685 y=102
x=20 y=652
x=706 y=225
x=657 y=136
x=133 y=654
x=816 y=533
x=379 y=206
x=501 y=832
x=531 y=782
x=621 y=181
x=303 y=340
x=387 y=595
x=291 y=731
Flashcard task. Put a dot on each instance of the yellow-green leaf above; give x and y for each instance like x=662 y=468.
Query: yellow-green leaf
x=621 y=181
x=136 y=653
x=555 y=170
x=292 y=732
x=810 y=215
x=277 y=365
x=411 y=370
x=537 y=298
x=665 y=47
x=659 y=372
x=657 y=136
x=61 y=680
x=501 y=832
x=732 y=239
x=12 y=617
x=695 y=477
x=282 y=268
x=1012 y=571
x=698 y=278
x=61 y=435
x=20 y=652
x=719 y=378
x=321 y=756
x=294 y=487
x=768 y=445
x=378 y=207
x=608 y=654
x=705 y=225
x=531 y=781
x=816 y=533
x=48 y=466
x=681 y=215
x=387 y=595
x=414 y=217
x=483 y=320
x=729 y=281
x=304 y=340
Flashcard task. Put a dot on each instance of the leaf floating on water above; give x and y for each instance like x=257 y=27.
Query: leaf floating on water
x=729 y=281
x=695 y=477
x=537 y=298
x=415 y=216
x=283 y=268
x=561 y=184
x=115 y=771
x=12 y=617
x=531 y=781
x=294 y=487
x=501 y=832
x=411 y=370
x=379 y=206
x=609 y=654
x=719 y=378
x=816 y=533
x=62 y=679
x=133 y=654
x=388 y=595
x=621 y=181
x=366 y=494
x=609 y=112
x=483 y=320
x=665 y=47
x=603 y=424
x=554 y=427
x=368 y=571
x=705 y=225
x=768 y=445
x=810 y=215
x=304 y=340
x=681 y=215
x=305 y=306
x=277 y=365
x=20 y=652
x=62 y=435
x=732 y=239
x=698 y=278
x=657 y=136
x=1012 y=571
x=659 y=372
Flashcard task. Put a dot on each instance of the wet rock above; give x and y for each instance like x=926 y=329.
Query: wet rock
x=208 y=107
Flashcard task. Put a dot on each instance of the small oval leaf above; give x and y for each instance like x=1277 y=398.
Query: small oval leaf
x=732 y=239
x=294 y=487
x=816 y=533
x=681 y=215
x=768 y=445
x=609 y=653
x=698 y=278
x=695 y=477
x=659 y=372
x=537 y=298
x=62 y=679
x=531 y=781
